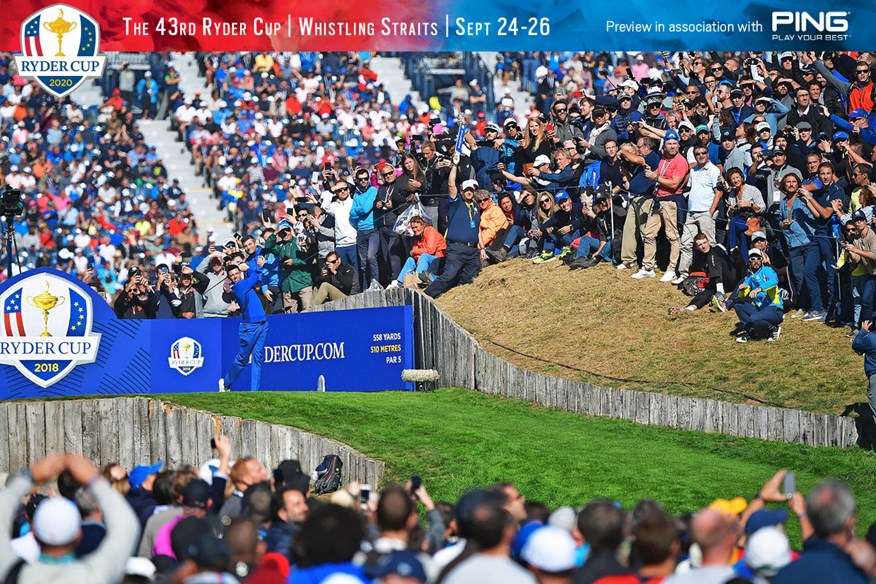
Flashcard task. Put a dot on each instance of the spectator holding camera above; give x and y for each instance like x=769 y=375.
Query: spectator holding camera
x=138 y=300
x=339 y=280
x=214 y=269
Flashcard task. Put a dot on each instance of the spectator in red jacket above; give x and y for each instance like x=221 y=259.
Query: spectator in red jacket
x=427 y=253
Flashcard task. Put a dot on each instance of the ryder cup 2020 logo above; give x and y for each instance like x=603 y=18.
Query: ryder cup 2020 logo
x=59 y=46
x=45 y=328
x=185 y=355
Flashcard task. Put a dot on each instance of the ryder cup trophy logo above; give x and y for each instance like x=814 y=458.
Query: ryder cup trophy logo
x=185 y=355
x=59 y=47
x=45 y=328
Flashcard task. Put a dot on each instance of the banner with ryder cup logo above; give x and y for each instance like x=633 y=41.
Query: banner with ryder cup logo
x=58 y=337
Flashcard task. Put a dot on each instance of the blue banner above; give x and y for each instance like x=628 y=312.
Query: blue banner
x=60 y=338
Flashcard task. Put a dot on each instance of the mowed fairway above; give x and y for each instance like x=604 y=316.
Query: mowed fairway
x=457 y=439
x=602 y=321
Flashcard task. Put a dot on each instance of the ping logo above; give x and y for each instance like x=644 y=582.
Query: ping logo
x=806 y=21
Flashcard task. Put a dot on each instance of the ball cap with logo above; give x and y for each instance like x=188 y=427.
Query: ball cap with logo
x=57 y=521
x=400 y=562
x=469 y=185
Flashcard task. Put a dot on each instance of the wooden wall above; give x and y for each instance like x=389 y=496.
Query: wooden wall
x=443 y=345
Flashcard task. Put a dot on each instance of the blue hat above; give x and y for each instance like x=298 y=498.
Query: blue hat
x=400 y=562
x=840 y=136
x=726 y=82
x=765 y=518
x=283 y=225
x=141 y=473
x=671 y=135
x=858 y=113
x=858 y=216
x=561 y=195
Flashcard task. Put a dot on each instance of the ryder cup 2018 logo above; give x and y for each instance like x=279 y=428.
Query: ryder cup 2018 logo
x=45 y=328
x=59 y=46
x=185 y=355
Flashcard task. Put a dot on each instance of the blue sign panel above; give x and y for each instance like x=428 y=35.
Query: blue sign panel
x=59 y=338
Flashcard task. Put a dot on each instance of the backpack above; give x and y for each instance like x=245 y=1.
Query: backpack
x=695 y=283
x=328 y=475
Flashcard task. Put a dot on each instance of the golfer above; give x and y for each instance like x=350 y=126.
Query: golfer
x=253 y=324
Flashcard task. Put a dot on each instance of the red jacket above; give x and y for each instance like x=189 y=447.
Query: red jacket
x=431 y=243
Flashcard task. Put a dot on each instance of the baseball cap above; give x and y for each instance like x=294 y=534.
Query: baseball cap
x=540 y=160
x=561 y=196
x=804 y=126
x=196 y=494
x=494 y=127
x=765 y=518
x=786 y=55
x=858 y=113
x=768 y=551
x=141 y=473
x=731 y=505
x=737 y=505
x=508 y=122
x=210 y=552
x=763 y=126
x=686 y=124
x=400 y=562
x=564 y=518
x=229 y=242
x=727 y=135
x=859 y=216
x=469 y=184
x=702 y=128
x=56 y=521
x=671 y=135
x=551 y=549
x=736 y=93
x=840 y=136
x=758 y=235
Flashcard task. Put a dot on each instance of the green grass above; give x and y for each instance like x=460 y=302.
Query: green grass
x=613 y=331
x=458 y=439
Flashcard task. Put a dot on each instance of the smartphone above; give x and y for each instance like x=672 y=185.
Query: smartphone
x=213 y=443
x=364 y=494
x=236 y=235
x=416 y=481
x=266 y=215
x=789 y=484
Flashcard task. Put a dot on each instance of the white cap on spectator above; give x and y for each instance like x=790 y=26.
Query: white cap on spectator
x=763 y=126
x=540 y=160
x=140 y=567
x=264 y=74
x=631 y=84
x=148 y=74
x=786 y=55
x=13 y=168
x=768 y=551
x=56 y=521
x=469 y=184
x=565 y=518
x=473 y=82
x=228 y=170
x=686 y=124
x=550 y=549
x=541 y=72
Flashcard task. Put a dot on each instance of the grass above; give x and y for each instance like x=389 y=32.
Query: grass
x=458 y=439
x=599 y=325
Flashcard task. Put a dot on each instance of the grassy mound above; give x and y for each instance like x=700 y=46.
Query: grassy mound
x=601 y=326
x=457 y=439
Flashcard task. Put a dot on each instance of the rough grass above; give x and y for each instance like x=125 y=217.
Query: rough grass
x=599 y=325
x=457 y=439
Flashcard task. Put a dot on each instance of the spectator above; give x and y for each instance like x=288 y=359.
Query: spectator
x=706 y=190
x=339 y=281
x=427 y=253
x=760 y=309
x=600 y=526
x=715 y=532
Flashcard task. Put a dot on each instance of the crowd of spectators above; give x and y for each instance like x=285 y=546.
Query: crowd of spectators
x=64 y=520
x=623 y=159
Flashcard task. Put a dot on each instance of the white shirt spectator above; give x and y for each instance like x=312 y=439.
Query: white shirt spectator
x=703 y=181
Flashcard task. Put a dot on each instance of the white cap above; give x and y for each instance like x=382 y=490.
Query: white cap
x=768 y=551
x=763 y=126
x=541 y=159
x=148 y=74
x=140 y=567
x=473 y=82
x=469 y=184
x=56 y=521
x=541 y=72
x=565 y=518
x=551 y=549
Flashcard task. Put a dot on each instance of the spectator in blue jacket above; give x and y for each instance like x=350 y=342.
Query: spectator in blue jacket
x=759 y=305
x=367 y=235
x=865 y=344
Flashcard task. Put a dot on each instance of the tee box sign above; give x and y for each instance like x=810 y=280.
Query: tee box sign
x=59 y=46
x=59 y=338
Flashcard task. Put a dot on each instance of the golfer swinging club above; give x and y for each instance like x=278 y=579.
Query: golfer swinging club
x=253 y=324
